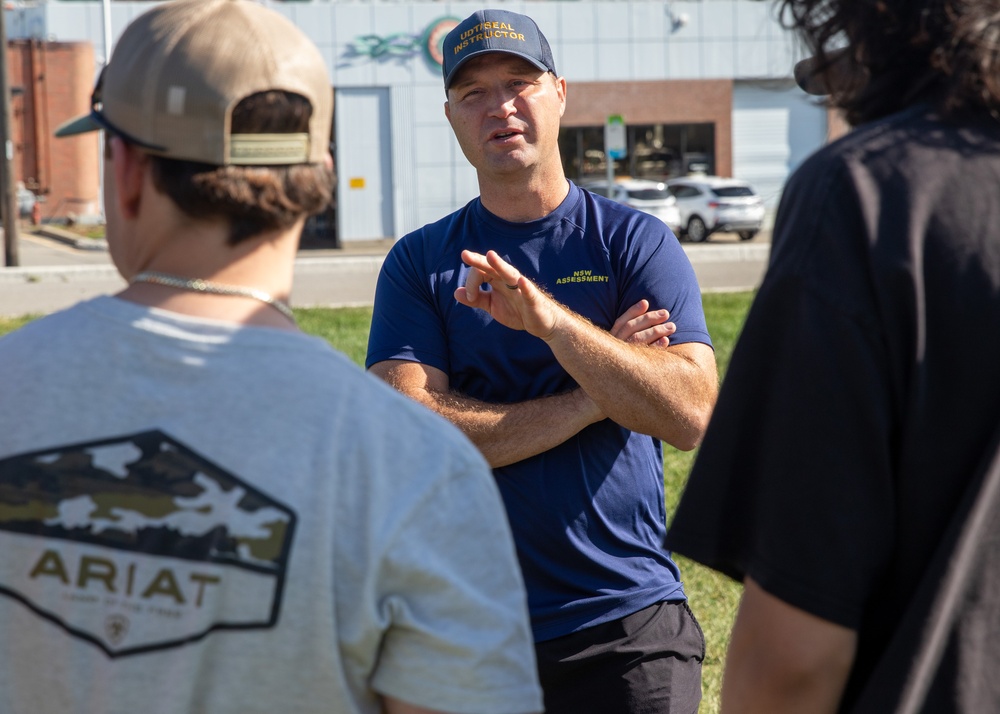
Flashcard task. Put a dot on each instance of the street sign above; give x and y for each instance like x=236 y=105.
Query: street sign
x=614 y=137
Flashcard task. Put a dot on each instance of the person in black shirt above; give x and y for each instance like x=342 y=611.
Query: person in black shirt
x=844 y=456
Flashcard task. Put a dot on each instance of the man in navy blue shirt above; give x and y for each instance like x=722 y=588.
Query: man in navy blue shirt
x=536 y=319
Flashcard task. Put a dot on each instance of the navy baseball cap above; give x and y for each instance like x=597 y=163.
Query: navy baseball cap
x=495 y=31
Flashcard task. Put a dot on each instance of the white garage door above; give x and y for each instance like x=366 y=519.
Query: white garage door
x=364 y=168
x=775 y=126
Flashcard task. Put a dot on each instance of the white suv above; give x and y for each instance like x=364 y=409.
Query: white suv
x=642 y=194
x=709 y=203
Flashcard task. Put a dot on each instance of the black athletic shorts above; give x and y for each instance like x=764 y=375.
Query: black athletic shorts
x=648 y=662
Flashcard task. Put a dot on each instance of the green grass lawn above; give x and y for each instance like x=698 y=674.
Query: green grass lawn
x=9 y=324
x=714 y=598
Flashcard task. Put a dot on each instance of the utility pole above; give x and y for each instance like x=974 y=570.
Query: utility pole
x=7 y=189
x=106 y=16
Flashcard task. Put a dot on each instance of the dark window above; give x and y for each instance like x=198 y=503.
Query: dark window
x=732 y=191
x=684 y=191
x=654 y=151
x=649 y=194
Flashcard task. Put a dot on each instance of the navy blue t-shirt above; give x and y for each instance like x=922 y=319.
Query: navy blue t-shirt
x=588 y=516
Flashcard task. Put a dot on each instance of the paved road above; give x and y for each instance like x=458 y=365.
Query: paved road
x=54 y=273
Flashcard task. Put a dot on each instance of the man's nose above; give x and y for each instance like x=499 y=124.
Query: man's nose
x=502 y=103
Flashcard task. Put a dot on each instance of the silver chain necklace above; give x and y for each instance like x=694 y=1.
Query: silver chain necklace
x=204 y=286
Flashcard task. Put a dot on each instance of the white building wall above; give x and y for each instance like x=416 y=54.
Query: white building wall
x=379 y=44
x=775 y=126
x=403 y=157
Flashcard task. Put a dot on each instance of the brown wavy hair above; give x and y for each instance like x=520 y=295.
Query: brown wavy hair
x=898 y=52
x=253 y=199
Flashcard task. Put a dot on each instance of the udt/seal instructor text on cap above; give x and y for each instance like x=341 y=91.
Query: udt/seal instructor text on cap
x=495 y=31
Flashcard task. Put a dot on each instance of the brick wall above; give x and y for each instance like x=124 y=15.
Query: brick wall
x=682 y=101
x=52 y=82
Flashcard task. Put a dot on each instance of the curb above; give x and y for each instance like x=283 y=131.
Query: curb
x=56 y=273
x=366 y=257
x=71 y=273
x=719 y=253
x=375 y=250
x=69 y=238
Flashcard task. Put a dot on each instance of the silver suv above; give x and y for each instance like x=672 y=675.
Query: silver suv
x=708 y=204
x=648 y=196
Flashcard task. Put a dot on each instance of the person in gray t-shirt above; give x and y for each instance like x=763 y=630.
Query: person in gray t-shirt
x=201 y=507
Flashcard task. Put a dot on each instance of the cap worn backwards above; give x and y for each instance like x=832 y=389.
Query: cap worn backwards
x=495 y=31
x=179 y=69
x=820 y=81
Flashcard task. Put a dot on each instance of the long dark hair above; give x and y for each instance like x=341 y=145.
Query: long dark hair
x=901 y=51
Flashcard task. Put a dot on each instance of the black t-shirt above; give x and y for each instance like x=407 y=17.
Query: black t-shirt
x=865 y=387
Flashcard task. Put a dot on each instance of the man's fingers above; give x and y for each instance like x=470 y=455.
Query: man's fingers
x=489 y=268
x=621 y=324
x=645 y=328
x=503 y=270
x=651 y=336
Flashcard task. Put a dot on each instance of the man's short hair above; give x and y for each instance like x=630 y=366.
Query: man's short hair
x=234 y=103
x=252 y=199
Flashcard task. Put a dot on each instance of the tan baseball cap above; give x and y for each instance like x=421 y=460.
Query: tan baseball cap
x=179 y=69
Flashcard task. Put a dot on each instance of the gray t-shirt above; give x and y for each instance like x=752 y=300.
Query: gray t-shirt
x=197 y=516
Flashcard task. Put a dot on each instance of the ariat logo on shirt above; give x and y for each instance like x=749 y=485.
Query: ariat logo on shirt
x=582 y=276
x=138 y=543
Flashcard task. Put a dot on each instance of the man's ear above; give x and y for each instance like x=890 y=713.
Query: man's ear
x=561 y=89
x=129 y=166
x=447 y=111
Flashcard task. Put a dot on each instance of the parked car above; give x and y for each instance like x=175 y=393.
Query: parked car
x=708 y=204
x=651 y=197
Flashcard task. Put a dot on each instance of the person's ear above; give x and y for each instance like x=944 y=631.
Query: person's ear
x=129 y=169
x=447 y=111
x=561 y=90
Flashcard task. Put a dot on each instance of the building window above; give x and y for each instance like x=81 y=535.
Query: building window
x=655 y=151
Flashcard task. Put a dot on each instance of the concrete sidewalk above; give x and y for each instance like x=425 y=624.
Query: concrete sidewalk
x=58 y=269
